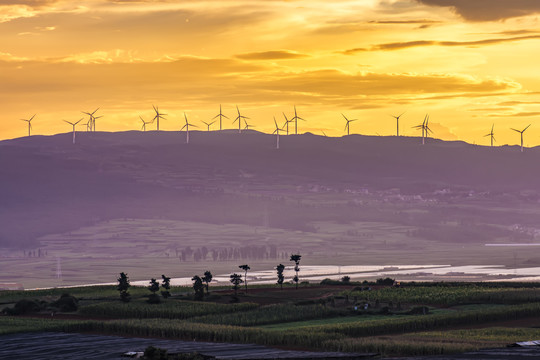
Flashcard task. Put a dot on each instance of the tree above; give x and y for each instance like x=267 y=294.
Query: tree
x=153 y=298
x=296 y=258
x=166 y=284
x=236 y=280
x=123 y=286
x=207 y=278
x=280 y=276
x=198 y=287
x=346 y=279
x=245 y=268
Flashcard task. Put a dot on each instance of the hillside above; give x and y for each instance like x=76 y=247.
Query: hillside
x=50 y=185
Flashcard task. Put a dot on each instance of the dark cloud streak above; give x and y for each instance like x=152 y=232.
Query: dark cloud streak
x=488 y=10
x=419 y=43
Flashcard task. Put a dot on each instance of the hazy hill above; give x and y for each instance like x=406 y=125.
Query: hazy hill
x=50 y=185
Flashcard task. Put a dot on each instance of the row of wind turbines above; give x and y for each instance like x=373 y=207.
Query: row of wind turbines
x=91 y=124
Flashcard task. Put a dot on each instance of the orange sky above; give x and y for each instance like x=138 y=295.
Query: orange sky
x=469 y=65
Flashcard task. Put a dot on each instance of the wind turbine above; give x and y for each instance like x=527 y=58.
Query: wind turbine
x=29 y=121
x=295 y=118
x=208 y=124
x=425 y=128
x=347 y=126
x=92 y=120
x=324 y=133
x=73 y=124
x=220 y=115
x=186 y=126
x=521 y=132
x=239 y=119
x=286 y=125
x=491 y=134
x=397 y=122
x=143 y=128
x=158 y=116
x=277 y=133
x=247 y=125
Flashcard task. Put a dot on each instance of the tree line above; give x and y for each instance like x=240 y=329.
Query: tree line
x=202 y=283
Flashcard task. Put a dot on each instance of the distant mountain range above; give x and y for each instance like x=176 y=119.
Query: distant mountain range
x=48 y=184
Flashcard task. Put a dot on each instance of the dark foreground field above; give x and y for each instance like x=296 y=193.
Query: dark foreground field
x=410 y=320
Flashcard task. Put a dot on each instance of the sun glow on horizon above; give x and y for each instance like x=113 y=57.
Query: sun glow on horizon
x=369 y=59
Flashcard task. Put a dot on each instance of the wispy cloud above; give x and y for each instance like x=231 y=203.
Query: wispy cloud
x=272 y=55
x=420 y=43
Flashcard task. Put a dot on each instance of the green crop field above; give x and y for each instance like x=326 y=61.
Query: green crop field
x=412 y=319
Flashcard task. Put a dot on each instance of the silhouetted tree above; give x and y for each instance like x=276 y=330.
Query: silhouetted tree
x=198 y=287
x=207 y=278
x=245 y=268
x=123 y=286
x=236 y=280
x=153 y=298
x=166 y=284
x=296 y=258
x=280 y=276
x=346 y=279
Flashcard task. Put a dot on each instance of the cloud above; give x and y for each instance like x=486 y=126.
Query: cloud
x=271 y=55
x=419 y=43
x=488 y=10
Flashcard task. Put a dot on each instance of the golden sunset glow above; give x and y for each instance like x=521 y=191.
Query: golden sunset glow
x=469 y=64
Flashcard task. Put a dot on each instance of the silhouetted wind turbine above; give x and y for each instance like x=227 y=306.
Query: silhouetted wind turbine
x=491 y=134
x=220 y=115
x=29 y=121
x=73 y=124
x=347 y=127
x=143 y=128
x=247 y=126
x=425 y=128
x=277 y=133
x=295 y=118
x=239 y=119
x=286 y=125
x=521 y=132
x=397 y=122
x=92 y=119
x=186 y=126
x=208 y=124
x=158 y=116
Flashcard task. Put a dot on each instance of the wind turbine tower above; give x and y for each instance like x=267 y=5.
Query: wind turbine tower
x=295 y=118
x=491 y=135
x=158 y=116
x=277 y=133
x=521 y=132
x=73 y=124
x=397 y=122
x=29 y=121
x=239 y=119
x=92 y=121
x=143 y=128
x=220 y=115
x=347 y=126
x=286 y=125
x=425 y=128
x=186 y=126
x=208 y=124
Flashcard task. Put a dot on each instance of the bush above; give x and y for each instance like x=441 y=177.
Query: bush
x=154 y=299
x=66 y=303
x=23 y=306
x=154 y=353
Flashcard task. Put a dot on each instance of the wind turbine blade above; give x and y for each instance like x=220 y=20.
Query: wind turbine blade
x=515 y=130
x=344 y=117
x=526 y=127
x=32 y=117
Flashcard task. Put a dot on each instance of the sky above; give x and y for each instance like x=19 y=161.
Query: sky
x=470 y=65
